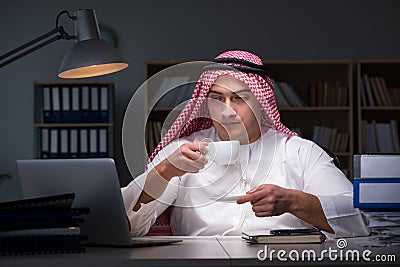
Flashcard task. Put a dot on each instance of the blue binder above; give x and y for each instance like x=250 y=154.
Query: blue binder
x=377 y=193
x=56 y=114
x=54 y=143
x=75 y=104
x=44 y=143
x=103 y=143
x=46 y=105
x=83 y=141
x=66 y=104
x=84 y=115
x=104 y=104
x=94 y=104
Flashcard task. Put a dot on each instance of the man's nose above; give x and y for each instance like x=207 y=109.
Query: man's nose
x=227 y=110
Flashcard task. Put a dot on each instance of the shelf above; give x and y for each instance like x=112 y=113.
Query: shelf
x=312 y=109
x=378 y=110
x=395 y=108
x=75 y=125
x=164 y=109
x=74 y=119
x=305 y=109
x=343 y=154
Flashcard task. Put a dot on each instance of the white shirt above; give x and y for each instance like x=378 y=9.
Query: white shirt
x=275 y=158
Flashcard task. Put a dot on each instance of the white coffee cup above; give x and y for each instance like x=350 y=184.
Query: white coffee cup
x=223 y=152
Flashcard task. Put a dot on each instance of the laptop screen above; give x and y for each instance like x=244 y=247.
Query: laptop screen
x=96 y=185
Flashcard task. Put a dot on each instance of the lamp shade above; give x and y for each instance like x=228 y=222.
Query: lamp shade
x=90 y=56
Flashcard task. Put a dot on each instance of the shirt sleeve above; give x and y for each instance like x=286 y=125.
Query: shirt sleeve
x=141 y=220
x=334 y=191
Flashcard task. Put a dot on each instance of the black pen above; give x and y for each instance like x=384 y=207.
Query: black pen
x=294 y=231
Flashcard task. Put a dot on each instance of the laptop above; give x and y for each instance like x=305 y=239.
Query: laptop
x=96 y=185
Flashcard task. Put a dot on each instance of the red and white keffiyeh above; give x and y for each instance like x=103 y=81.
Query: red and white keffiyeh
x=194 y=117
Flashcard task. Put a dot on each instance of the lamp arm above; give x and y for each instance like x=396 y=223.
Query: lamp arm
x=62 y=34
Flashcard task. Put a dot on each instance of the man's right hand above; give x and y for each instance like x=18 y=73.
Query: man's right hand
x=188 y=158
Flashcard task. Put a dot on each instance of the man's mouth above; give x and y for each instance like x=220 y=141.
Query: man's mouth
x=231 y=123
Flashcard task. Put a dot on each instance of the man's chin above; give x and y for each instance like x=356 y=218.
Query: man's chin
x=242 y=137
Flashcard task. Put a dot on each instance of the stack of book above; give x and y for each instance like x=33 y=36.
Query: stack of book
x=376 y=194
x=41 y=225
x=328 y=94
x=321 y=94
x=331 y=138
x=286 y=95
x=382 y=137
x=375 y=93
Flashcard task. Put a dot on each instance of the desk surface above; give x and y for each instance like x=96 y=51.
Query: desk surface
x=324 y=254
x=203 y=251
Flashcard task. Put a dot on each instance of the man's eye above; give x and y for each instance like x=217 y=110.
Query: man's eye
x=218 y=98
x=241 y=97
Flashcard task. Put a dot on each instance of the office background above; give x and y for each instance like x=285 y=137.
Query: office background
x=179 y=30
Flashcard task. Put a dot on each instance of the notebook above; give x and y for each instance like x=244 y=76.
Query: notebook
x=96 y=185
x=284 y=236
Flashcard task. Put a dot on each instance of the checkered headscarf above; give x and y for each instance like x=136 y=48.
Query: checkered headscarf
x=194 y=117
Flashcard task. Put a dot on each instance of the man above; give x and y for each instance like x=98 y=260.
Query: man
x=289 y=182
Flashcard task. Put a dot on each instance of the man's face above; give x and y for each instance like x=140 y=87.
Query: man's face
x=235 y=111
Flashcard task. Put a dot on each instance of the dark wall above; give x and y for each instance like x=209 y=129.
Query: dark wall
x=180 y=30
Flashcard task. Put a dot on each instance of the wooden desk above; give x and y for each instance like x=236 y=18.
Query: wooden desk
x=193 y=251
x=245 y=254
x=196 y=251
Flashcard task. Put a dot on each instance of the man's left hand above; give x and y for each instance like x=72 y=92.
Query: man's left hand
x=268 y=200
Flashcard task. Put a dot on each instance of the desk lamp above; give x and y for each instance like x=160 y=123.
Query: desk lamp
x=90 y=56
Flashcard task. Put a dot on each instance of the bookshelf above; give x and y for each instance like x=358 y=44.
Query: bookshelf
x=378 y=106
x=74 y=120
x=325 y=89
x=316 y=83
x=163 y=108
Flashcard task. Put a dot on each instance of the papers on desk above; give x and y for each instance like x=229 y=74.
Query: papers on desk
x=377 y=241
x=385 y=225
x=284 y=236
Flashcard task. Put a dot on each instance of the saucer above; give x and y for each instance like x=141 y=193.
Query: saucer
x=229 y=197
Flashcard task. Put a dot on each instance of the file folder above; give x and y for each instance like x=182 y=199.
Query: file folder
x=104 y=107
x=75 y=104
x=64 y=149
x=73 y=145
x=66 y=105
x=83 y=143
x=44 y=139
x=94 y=104
x=377 y=166
x=54 y=143
x=84 y=115
x=103 y=143
x=46 y=105
x=93 y=143
x=55 y=105
x=379 y=193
